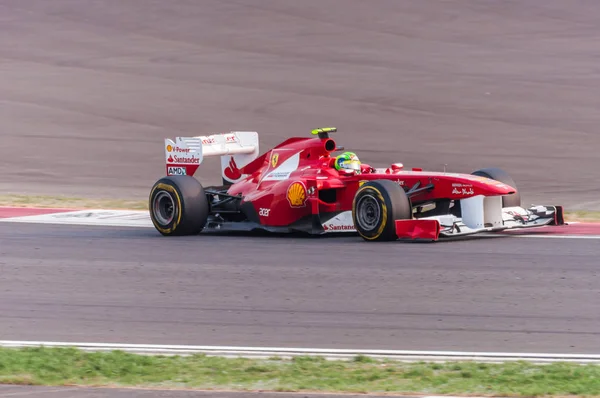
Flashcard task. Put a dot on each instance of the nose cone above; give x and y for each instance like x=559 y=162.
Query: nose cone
x=491 y=187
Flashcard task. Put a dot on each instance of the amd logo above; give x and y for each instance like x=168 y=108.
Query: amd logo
x=176 y=171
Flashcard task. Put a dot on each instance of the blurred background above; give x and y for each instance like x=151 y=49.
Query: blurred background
x=89 y=89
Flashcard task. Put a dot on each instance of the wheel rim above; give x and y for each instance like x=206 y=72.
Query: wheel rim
x=368 y=213
x=164 y=208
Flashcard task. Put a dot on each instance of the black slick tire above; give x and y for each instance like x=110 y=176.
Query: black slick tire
x=376 y=206
x=178 y=206
x=513 y=200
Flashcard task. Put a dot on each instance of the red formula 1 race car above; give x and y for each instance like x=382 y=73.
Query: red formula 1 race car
x=302 y=186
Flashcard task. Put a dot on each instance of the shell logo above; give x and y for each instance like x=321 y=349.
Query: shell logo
x=169 y=148
x=296 y=194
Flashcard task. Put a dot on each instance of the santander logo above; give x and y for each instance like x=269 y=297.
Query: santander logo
x=232 y=172
x=342 y=222
x=333 y=227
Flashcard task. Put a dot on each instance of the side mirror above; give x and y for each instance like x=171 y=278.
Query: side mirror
x=394 y=168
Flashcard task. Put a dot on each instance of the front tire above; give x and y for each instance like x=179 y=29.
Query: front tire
x=178 y=206
x=500 y=175
x=377 y=205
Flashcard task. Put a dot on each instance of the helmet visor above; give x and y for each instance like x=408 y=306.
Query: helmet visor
x=353 y=164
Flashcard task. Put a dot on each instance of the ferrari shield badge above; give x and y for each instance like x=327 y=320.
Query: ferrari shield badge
x=274 y=159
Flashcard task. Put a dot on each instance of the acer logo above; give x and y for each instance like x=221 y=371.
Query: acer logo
x=264 y=212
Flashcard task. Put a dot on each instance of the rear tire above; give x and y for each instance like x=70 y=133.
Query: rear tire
x=178 y=206
x=502 y=176
x=377 y=204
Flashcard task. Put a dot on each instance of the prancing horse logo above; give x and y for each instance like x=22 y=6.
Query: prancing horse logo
x=274 y=159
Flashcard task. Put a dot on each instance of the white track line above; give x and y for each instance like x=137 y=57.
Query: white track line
x=141 y=219
x=91 y=217
x=37 y=392
x=558 y=236
x=265 y=352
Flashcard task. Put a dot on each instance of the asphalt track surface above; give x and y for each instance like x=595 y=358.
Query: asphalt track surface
x=130 y=285
x=88 y=90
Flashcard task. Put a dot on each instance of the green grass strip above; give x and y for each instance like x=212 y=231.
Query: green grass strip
x=65 y=366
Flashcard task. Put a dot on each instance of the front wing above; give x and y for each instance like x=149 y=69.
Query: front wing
x=450 y=226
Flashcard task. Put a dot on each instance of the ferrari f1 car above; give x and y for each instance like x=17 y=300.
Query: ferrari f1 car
x=294 y=187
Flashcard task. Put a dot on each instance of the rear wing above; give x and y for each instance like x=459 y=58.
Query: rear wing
x=236 y=149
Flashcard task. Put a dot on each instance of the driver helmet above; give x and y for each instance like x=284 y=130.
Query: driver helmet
x=347 y=161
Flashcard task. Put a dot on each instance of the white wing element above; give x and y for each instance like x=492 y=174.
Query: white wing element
x=236 y=149
x=479 y=211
